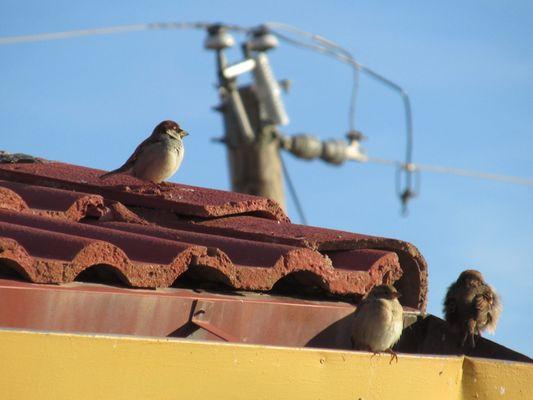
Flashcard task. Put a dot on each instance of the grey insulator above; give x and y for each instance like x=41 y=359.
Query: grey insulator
x=262 y=39
x=334 y=151
x=269 y=92
x=264 y=42
x=218 y=38
x=305 y=146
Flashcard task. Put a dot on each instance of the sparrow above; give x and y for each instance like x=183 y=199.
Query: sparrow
x=471 y=306
x=378 y=321
x=158 y=157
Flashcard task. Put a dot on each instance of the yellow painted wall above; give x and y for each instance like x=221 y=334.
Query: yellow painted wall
x=36 y=365
x=487 y=379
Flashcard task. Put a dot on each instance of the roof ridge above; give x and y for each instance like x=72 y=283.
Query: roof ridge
x=184 y=199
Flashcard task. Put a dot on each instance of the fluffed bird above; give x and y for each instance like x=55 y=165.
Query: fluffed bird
x=378 y=321
x=471 y=306
x=158 y=157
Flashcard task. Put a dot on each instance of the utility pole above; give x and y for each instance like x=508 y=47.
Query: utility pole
x=255 y=166
x=251 y=116
x=251 y=136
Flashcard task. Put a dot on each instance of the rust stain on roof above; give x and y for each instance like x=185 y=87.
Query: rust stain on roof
x=177 y=312
x=59 y=221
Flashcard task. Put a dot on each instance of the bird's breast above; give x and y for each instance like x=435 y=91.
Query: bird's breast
x=159 y=161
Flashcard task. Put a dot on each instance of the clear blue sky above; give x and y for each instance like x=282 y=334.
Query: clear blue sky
x=467 y=65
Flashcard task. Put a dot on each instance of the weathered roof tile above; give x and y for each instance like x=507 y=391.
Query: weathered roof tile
x=50 y=201
x=59 y=221
x=183 y=199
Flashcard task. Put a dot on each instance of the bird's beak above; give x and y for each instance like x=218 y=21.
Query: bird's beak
x=184 y=133
x=396 y=295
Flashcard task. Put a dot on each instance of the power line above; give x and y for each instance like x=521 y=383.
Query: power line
x=294 y=194
x=353 y=101
x=438 y=169
x=335 y=50
x=327 y=47
x=320 y=45
x=332 y=49
x=152 y=26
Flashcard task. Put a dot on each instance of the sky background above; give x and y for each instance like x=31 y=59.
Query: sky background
x=468 y=67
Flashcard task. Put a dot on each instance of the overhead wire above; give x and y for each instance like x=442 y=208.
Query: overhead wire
x=332 y=49
x=439 y=169
x=293 y=192
x=320 y=45
x=335 y=50
x=332 y=45
x=41 y=37
x=353 y=101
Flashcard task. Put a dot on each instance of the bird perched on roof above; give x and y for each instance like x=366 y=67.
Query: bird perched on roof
x=471 y=306
x=158 y=157
x=378 y=321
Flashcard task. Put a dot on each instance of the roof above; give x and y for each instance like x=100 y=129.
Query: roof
x=60 y=223
x=78 y=254
x=236 y=317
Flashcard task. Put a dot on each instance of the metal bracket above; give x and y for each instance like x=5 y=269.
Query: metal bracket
x=202 y=315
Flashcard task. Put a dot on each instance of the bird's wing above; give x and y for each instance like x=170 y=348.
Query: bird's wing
x=450 y=305
x=368 y=319
x=488 y=306
x=359 y=317
x=131 y=160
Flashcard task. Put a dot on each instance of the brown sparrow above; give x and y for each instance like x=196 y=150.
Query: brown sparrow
x=378 y=321
x=158 y=157
x=471 y=306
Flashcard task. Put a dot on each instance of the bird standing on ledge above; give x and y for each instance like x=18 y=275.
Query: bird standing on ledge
x=378 y=321
x=158 y=157
x=471 y=306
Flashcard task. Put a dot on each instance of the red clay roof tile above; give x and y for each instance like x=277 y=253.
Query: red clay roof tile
x=413 y=283
x=183 y=199
x=151 y=256
x=59 y=220
x=50 y=201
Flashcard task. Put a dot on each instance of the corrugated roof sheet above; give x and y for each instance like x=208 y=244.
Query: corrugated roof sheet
x=59 y=222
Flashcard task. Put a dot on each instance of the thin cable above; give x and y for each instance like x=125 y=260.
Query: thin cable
x=293 y=192
x=474 y=174
x=353 y=100
x=329 y=44
x=326 y=51
x=42 y=37
x=313 y=36
x=452 y=171
x=325 y=46
x=332 y=49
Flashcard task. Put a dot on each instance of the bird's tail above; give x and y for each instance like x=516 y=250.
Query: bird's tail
x=108 y=174
x=124 y=169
